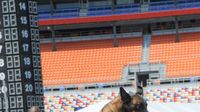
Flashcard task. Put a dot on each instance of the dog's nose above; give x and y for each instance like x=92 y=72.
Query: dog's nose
x=146 y=111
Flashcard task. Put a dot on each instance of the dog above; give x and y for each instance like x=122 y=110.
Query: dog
x=140 y=91
x=126 y=103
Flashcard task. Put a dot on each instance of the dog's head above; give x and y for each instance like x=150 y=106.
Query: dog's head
x=134 y=103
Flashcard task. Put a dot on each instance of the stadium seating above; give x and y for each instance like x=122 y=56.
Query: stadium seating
x=74 y=102
x=182 y=59
x=88 y=61
x=120 y=9
x=181 y=95
x=99 y=61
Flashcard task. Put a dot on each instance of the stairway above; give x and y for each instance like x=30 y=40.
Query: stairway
x=146 y=48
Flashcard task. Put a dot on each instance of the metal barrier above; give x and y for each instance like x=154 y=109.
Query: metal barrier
x=121 y=35
x=170 y=81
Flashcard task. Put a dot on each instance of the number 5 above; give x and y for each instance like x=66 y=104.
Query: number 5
x=24 y=20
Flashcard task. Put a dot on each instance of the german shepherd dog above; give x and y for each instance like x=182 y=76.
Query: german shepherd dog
x=126 y=103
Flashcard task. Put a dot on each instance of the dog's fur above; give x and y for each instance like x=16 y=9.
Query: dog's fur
x=126 y=103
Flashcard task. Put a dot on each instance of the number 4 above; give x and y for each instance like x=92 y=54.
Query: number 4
x=1 y=48
x=22 y=6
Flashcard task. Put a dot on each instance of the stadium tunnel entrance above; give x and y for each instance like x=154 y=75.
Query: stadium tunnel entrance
x=142 y=79
x=141 y=72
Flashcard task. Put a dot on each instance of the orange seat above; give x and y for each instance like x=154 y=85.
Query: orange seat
x=99 y=61
x=88 y=61
x=182 y=58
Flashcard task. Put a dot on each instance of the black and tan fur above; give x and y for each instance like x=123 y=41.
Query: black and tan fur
x=126 y=103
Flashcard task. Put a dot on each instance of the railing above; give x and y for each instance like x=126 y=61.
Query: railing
x=94 y=37
x=121 y=35
x=150 y=83
x=86 y=86
x=169 y=81
x=173 y=31
x=151 y=63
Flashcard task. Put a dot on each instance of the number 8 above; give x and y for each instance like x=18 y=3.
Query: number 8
x=1 y=62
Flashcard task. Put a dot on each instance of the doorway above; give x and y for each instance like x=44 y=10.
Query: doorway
x=145 y=1
x=84 y=4
x=142 y=79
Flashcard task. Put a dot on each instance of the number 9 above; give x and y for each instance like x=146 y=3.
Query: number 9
x=2 y=76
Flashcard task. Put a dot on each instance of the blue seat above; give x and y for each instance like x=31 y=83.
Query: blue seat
x=119 y=9
x=44 y=16
x=65 y=15
x=127 y=10
x=188 y=5
x=161 y=3
x=99 y=8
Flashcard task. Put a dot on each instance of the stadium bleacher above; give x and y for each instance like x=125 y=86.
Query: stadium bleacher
x=88 y=61
x=74 y=102
x=73 y=12
x=96 y=60
x=182 y=59
x=99 y=61
x=90 y=48
x=181 y=95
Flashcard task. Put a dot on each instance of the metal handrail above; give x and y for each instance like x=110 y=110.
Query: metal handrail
x=121 y=35
x=151 y=82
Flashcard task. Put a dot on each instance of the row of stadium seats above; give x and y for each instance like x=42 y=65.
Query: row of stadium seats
x=181 y=95
x=182 y=59
x=74 y=102
x=91 y=61
x=99 y=61
x=120 y=9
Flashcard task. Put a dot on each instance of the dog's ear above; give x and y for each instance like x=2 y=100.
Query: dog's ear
x=139 y=90
x=125 y=97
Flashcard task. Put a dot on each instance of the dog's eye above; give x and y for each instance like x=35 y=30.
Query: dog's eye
x=129 y=107
x=138 y=106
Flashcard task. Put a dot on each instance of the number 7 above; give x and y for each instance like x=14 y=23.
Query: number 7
x=0 y=35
